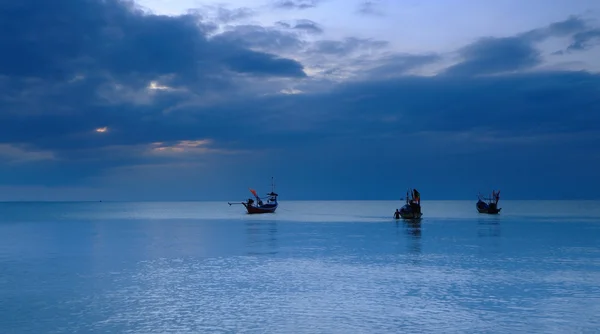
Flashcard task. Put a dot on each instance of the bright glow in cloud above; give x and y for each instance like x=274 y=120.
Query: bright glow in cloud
x=291 y=91
x=183 y=146
x=102 y=129
x=156 y=86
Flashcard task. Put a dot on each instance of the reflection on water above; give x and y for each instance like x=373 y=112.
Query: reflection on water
x=488 y=228
x=456 y=272
x=412 y=229
x=262 y=237
x=489 y=236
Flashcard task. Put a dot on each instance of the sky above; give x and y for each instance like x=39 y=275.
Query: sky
x=199 y=100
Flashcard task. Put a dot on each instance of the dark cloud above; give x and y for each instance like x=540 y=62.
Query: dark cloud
x=264 y=38
x=79 y=65
x=400 y=64
x=568 y=27
x=563 y=28
x=198 y=113
x=585 y=40
x=296 y=4
x=583 y=35
x=222 y=15
x=458 y=120
x=496 y=55
x=524 y=103
x=303 y=25
x=347 y=46
x=61 y=40
x=491 y=55
x=261 y=63
x=226 y=15
x=537 y=101
x=442 y=123
x=370 y=7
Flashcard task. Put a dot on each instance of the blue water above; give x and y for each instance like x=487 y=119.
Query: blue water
x=312 y=267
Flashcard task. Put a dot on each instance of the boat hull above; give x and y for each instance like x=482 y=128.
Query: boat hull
x=411 y=212
x=411 y=215
x=490 y=209
x=269 y=208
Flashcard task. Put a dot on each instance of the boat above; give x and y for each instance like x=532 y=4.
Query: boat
x=489 y=205
x=412 y=208
x=256 y=205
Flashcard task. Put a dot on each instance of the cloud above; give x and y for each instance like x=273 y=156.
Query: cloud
x=582 y=34
x=79 y=66
x=370 y=7
x=296 y=4
x=15 y=154
x=346 y=46
x=401 y=64
x=443 y=118
x=302 y=25
x=446 y=124
x=537 y=100
x=112 y=39
x=496 y=55
x=222 y=14
x=568 y=27
x=90 y=60
x=229 y=15
x=585 y=40
x=174 y=100
x=183 y=148
x=493 y=55
x=260 y=63
x=263 y=38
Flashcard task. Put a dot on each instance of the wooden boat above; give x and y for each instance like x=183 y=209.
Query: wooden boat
x=412 y=208
x=258 y=206
x=489 y=205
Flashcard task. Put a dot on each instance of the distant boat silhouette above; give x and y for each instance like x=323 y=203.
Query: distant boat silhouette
x=489 y=205
x=412 y=208
x=259 y=206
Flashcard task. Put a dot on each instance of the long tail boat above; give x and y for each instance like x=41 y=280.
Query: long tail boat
x=489 y=205
x=257 y=205
x=412 y=208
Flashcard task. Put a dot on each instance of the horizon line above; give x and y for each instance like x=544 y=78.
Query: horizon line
x=291 y=200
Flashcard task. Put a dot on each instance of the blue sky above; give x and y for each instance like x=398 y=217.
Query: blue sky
x=194 y=100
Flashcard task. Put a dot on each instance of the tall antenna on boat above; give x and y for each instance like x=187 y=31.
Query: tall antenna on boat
x=272 y=185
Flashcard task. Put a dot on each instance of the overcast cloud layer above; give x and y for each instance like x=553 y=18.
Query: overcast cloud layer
x=108 y=100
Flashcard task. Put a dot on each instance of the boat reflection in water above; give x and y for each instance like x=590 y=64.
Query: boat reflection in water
x=412 y=230
x=262 y=238
x=488 y=228
x=489 y=236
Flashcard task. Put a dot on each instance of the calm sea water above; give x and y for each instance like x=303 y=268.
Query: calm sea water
x=312 y=267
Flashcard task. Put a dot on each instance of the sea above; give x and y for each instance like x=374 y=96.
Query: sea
x=311 y=267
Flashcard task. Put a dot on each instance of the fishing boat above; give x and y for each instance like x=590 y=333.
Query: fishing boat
x=489 y=205
x=412 y=208
x=257 y=205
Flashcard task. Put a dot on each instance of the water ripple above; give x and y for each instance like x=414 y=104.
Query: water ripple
x=250 y=294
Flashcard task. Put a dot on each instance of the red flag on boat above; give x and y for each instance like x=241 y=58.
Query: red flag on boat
x=416 y=196
x=253 y=192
